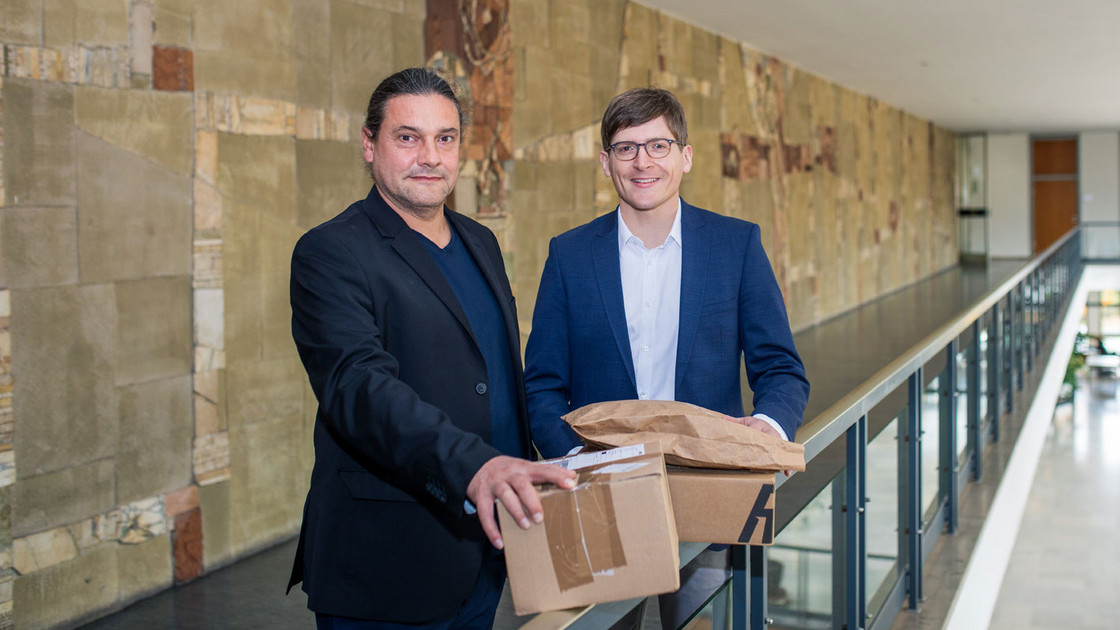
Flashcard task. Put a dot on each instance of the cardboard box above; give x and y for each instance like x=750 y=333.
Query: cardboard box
x=733 y=507
x=613 y=537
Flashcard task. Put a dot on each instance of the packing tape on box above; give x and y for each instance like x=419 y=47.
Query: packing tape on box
x=583 y=542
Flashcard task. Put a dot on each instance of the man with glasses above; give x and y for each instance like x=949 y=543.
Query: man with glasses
x=660 y=300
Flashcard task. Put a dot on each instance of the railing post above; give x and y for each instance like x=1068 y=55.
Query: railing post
x=1009 y=351
x=855 y=528
x=910 y=491
x=1021 y=339
x=1028 y=324
x=995 y=369
x=1036 y=322
x=975 y=437
x=759 y=620
x=947 y=426
x=740 y=588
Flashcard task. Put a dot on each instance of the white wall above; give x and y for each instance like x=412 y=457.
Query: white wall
x=1009 y=196
x=1098 y=157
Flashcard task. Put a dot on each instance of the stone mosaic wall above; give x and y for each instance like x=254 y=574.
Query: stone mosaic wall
x=854 y=197
x=159 y=158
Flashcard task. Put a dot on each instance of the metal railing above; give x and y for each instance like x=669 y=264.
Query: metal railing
x=987 y=349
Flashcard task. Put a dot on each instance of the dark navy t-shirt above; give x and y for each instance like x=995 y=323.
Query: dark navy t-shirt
x=489 y=329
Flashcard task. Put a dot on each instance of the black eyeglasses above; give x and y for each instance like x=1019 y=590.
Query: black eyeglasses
x=656 y=148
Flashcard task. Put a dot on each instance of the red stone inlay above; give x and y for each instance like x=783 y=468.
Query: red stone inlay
x=186 y=542
x=172 y=69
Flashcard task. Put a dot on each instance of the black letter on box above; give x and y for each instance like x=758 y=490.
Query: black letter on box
x=760 y=513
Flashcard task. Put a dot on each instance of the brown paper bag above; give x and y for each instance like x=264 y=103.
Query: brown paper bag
x=688 y=435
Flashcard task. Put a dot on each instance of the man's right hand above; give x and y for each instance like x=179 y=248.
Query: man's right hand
x=511 y=480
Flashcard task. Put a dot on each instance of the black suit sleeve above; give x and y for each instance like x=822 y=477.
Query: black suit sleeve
x=365 y=407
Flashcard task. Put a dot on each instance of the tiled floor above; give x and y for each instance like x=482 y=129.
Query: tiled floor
x=1082 y=463
x=1065 y=569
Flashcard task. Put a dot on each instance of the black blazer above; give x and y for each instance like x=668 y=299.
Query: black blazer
x=404 y=416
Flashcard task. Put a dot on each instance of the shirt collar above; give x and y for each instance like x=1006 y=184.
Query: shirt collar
x=624 y=233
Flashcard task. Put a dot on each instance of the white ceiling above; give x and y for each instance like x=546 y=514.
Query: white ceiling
x=968 y=65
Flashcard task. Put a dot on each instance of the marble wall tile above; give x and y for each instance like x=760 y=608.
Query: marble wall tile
x=154 y=329
x=155 y=438
x=39 y=246
x=140 y=37
x=311 y=38
x=187 y=547
x=209 y=320
x=408 y=45
x=90 y=582
x=361 y=49
x=142 y=520
x=244 y=48
x=209 y=391
x=38 y=135
x=22 y=23
x=43 y=549
x=241 y=280
x=155 y=125
x=64 y=337
x=209 y=358
x=263 y=391
x=172 y=69
x=7 y=466
x=143 y=568
x=278 y=239
x=208 y=277
x=269 y=482
x=172 y=26
x=134 y=218
x=210 y=458
x=97 y=529
x=180 y=501
x=329 y=177
x=258 y=170
x=214 y=502
x=66 y=496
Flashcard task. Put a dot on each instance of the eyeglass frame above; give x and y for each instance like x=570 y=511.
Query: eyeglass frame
x=645 y=145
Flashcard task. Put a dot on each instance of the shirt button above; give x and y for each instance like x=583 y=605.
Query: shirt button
x=645 y=348
x=480 y=388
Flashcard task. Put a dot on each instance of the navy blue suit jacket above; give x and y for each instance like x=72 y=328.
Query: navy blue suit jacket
x=731 y=313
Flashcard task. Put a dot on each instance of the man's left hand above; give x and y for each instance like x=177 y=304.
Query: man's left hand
x=755 y=423
x=761 y=425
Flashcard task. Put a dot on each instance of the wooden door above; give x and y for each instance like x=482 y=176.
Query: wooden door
x=1054 y=190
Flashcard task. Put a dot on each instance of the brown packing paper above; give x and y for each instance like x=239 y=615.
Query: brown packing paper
x=688 y=435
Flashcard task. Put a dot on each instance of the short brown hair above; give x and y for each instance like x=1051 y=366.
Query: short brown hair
x=639 y=106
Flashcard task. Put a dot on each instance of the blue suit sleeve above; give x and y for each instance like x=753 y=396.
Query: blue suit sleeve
x=548 y=365
x=774 y=369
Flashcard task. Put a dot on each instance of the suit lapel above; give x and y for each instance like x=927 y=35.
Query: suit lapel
x=408 y=245
x=497 y=287
x=695 y=251
x=609 y=274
